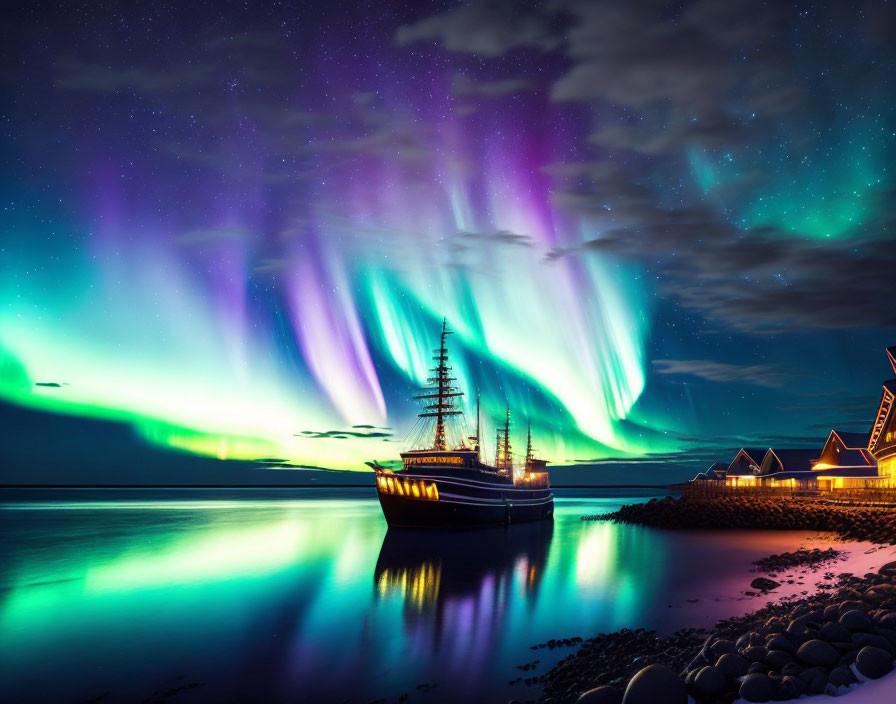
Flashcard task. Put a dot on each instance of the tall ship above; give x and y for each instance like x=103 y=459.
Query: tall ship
x=441 y=485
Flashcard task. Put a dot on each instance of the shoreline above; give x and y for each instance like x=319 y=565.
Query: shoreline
x=824 y=639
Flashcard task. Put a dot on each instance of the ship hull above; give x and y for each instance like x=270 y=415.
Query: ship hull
x=466 y=504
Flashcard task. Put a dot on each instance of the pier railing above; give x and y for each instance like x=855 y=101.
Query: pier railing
x=868 y=496
x=719 y=489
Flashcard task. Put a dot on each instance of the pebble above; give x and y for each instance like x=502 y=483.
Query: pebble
x=856 y=620
x=601 y=695
x=709 y=682
x=756 y=688
x=818 y=653
x=655 y=684
x=874 y=662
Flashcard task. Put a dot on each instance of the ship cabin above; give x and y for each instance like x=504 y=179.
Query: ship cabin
x=416 y=460
x=535 y=475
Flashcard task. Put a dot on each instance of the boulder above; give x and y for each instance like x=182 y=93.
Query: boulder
x=856 y=620
x=757 y=667
x=873 y=662
x=732 y=665
x=834 y=632
x=888 y=569
x=709 y=682
x=880 y=593
x=841 y=676
x=763 y=584
x=655 y=684
x=798 y=625
x=850 y=605
x=755 y=653
x=818 y=653
x=601 y=695
x=816 y=680
x=792 y=668
x=779 y=641
x=756 y=688
x=776 y=659
x=793 y=686
x=860 y=640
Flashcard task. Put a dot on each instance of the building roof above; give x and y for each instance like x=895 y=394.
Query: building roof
x=754 y=455
x=700 y=477
x=854 y=441
x=891 y=355
x=791 y=461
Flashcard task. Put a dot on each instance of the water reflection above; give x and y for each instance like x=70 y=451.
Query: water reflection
x=433 y=568
x=313 y=600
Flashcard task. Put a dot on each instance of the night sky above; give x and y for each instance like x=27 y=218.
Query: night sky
x=659 y=230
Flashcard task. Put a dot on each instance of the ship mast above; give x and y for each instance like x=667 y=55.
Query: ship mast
x=529 y=446
x=439 y=402
x=475 y=438
x=504 y=458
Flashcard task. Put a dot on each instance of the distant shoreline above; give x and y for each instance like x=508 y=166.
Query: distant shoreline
x=287 y=486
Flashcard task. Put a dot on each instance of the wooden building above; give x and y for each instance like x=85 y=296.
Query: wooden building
x=744 y=468
x=882 y=440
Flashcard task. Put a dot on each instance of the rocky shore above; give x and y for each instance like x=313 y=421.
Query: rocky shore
x=821 y=643
x=814 y=559
x=807 y=646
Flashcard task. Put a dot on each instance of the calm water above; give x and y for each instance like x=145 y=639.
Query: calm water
x=298 y=596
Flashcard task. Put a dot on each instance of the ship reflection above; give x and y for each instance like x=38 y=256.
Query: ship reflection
x=477 y=573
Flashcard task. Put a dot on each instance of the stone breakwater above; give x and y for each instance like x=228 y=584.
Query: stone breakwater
x=807 y=646
x=874 y=524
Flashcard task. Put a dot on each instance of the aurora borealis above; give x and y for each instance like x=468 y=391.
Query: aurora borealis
x=657 y=229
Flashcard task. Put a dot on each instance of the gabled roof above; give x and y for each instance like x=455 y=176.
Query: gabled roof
x=755 y=453
x=791 y=461
x=752 y=455
x=891 y=355
x=700 y=477
x=854 y=441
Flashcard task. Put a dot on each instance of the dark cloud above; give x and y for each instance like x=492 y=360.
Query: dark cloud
x=758 y=280
x=706 y=72
x=77 y=75
x=50 y=384
x=760 y=374
x=346 y=434
x=489 y=28
x=499 y=237
x=689 y=64
x=464 y=86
